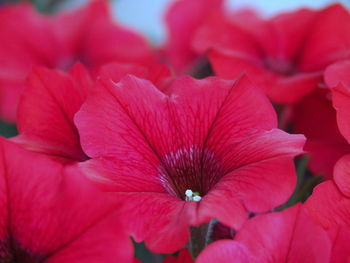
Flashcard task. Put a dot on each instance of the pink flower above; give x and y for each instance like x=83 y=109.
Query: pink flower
x=50 y=213
x=288 y=236
x=285 y=55
x=209 y=149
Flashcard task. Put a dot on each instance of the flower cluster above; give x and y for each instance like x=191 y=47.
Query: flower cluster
x=194 y=149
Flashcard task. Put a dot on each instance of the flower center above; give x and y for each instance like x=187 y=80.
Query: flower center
x=189 y=173
x=192 y=196
x=11 y=252
x=280 y=66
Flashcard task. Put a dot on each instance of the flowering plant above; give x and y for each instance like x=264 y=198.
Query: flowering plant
x=227 y=143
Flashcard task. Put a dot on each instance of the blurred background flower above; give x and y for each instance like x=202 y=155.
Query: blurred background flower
x=146 y=16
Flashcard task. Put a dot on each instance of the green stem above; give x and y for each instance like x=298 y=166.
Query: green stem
x=200 y=237
x=301 y=173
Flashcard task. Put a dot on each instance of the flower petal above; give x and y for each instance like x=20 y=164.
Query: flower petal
x=45 y=118
x=342 y=175
x=328 y=41
x=328 y=206
x=183 y=18
x=64 y=210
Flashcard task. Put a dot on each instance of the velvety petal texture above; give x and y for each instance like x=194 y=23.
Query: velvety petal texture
x=205 y=136
x=46 y=111
x=71 y=219
x=288 y=236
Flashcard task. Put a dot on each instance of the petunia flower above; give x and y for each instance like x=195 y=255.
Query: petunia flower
x=87 y=35
x=51 y=213
x=288 y=236
x=208 y=149
x=285 y=55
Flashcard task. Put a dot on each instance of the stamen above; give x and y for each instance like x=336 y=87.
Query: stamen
x=192 y=196
x=189 y=193
x=197 y=198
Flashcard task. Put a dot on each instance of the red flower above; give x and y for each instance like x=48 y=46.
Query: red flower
x=210 y=140
x=87 y=35
x=51 y=213
x=183 y=257
x=183 y=19
x=315 y=117
x=337 y=77
x=288 y=236
x=284 y=55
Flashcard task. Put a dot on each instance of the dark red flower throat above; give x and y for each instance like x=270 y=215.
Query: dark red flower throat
x=280 y=66
x=193 y=168
x=11 y=252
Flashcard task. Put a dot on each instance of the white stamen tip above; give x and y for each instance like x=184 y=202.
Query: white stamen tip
x=197 y=198
x=189 y=193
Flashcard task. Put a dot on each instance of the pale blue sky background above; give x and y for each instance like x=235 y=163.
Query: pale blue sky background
x=146 y=15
